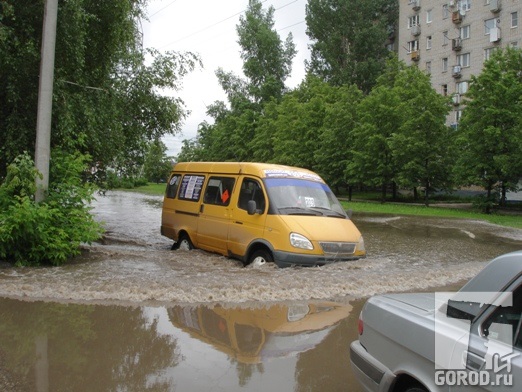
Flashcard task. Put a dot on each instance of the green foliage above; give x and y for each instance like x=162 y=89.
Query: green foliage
x=157 y=165
x=266 y=65
x=108 y=99
x=490 y=131
x=348 y=39
x=267 y=61
x=401 y=137
x=51 y=231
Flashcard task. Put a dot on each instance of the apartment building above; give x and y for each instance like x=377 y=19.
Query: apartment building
x=451 y=39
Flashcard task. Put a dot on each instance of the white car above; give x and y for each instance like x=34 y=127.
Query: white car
x=465 y=341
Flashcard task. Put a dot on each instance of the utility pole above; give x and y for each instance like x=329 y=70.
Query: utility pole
x=45 y=98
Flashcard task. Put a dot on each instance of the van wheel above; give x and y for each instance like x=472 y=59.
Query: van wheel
x=260 y=257
x=184 y=243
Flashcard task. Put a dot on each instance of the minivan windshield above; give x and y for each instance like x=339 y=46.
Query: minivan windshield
x=290 y=196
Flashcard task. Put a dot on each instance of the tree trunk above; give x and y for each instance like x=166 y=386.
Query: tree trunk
x=426 y=194
x=383 y=193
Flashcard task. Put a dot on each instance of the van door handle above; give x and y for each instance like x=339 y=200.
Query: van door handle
x=201 y=208
x=238 y=222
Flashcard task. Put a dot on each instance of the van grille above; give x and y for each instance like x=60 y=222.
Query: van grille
x=338 y=248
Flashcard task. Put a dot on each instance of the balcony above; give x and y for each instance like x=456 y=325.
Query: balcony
x=456 y=99
x=415 y=5
x=456 y=17
x=415 y=30
x=456 y=44
x=456 y=71
x=415 y=55
x=494 y=34
x=494 y=6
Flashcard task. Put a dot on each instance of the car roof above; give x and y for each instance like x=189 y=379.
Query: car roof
x=497 y=275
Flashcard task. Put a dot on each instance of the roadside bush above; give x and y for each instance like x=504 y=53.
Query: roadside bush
x=49 y=232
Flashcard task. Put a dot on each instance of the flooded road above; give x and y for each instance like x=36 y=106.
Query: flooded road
x=132 y=315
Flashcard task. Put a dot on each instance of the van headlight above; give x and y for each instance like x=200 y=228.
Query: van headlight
x=360 y=245
x=300 y=241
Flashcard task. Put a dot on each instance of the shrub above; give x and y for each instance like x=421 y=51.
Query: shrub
x=49 y=232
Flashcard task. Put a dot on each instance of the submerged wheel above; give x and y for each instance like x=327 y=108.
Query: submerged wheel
x=260 y=257
x=183 y=243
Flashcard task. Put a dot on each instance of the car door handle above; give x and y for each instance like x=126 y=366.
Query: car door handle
x=472 y=361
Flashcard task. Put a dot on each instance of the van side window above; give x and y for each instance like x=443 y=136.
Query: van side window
x=172 y=186
x=251 y=190
x=191 y=186
x=219 y=191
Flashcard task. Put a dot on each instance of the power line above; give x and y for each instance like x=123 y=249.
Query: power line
x=219 y=22
x=157 y=12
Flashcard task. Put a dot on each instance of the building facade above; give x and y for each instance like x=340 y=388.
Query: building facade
x=451 y=39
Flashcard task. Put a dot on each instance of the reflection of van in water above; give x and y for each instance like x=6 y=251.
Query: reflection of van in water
x=255 y=335
x=258 y=213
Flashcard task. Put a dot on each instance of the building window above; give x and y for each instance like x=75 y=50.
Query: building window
x=445 y=39
x=489 y=24
x=413 y=21
x=428 y=42
x=514 y=19
x=464 y=5
x=429 y=18
x=444 y=89
x=486 y=2
x=461 y=87
x=488 y=52
x=413 y=46
x=458 y=116
x=445 y=11
x=428 y=67
x=463 y=60
x=464 y=32
x=445 y=64
x=514 y=44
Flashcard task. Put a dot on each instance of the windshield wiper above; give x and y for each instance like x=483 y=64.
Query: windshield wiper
x=329 y=212
x=298 y=211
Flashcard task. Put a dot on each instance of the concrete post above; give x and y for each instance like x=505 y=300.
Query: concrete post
x=45 y=98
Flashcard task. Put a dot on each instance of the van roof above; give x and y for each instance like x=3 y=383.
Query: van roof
x=262 y=170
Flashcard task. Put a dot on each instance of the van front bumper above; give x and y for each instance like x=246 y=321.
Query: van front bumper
x=288 y=259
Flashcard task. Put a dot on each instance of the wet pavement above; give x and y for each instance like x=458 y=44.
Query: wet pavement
x=132 y=315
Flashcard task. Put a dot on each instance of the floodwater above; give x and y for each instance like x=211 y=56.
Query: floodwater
x=132 y=315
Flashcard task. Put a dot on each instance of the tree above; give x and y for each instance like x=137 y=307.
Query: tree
x=373 y=161
x=266 y=65
x=106 y=100
x=423 y=144
x=401 y=137
x=490 y=131
x=267 y=61
x=157 y=165
x=349 y=39
x=293 y=125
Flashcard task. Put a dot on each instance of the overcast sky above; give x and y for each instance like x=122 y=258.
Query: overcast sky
x=208 y=28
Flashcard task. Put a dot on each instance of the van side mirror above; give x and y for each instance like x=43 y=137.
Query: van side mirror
x=251 y=207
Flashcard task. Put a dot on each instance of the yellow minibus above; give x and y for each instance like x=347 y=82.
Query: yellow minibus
x=258 y=213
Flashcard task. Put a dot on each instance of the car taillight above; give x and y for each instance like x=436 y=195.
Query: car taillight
x=360 y=325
